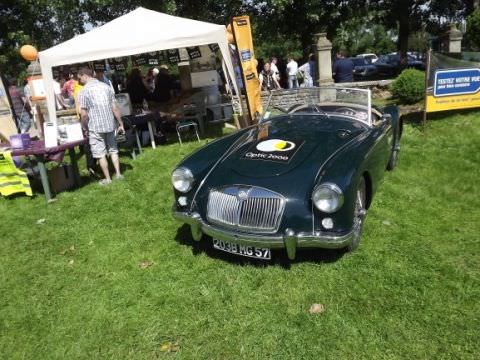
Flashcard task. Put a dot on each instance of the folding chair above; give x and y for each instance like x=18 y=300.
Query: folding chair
x=189 y=119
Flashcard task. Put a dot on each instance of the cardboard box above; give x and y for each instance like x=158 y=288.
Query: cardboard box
x=61 y=178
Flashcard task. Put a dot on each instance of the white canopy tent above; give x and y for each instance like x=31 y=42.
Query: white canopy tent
x=137 y=32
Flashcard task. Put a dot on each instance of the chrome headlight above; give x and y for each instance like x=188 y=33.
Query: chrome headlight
x=327 y=197
x=182 y=179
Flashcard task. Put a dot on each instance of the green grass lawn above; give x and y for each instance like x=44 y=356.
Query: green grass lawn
x=111 y=275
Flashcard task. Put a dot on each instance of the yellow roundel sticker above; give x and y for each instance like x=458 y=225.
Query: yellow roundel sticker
x=275 y=145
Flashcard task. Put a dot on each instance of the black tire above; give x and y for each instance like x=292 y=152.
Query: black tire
x=392 y=162
x=359 y=214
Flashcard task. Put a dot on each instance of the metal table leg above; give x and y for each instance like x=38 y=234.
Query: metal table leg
x=139 y=144
x=44 y=177
x=76 y=173
x=150 y=129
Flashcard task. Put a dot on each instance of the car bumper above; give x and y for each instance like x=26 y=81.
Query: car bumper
x=289 y=240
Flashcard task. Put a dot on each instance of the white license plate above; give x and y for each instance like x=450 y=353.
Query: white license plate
x=243 y=250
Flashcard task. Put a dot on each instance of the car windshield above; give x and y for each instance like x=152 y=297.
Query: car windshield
x=352 y=103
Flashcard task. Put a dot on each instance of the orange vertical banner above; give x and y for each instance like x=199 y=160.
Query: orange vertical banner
x=242 y=32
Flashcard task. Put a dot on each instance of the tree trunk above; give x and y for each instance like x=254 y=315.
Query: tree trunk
x=403 y=33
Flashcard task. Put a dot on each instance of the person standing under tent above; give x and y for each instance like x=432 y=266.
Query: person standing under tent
x=98 y=112
x=19 y=107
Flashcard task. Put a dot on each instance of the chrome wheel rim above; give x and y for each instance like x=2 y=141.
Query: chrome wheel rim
x=359 y=213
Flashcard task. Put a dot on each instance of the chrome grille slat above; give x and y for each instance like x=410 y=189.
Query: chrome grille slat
x=246 y=208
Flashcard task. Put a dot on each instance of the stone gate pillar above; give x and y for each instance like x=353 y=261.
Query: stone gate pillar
x=452 y=40
x=324 y=59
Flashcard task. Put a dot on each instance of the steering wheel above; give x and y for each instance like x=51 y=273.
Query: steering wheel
x=346 y=111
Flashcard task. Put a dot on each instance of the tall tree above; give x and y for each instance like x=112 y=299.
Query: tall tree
x=298 y=20
x=411 y=15
x=38 y=22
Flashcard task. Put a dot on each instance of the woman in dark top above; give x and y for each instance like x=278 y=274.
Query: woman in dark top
x=164 y=85
x=136 y=87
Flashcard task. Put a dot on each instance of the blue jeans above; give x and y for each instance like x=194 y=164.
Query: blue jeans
x=23 y=122
x=292 y=81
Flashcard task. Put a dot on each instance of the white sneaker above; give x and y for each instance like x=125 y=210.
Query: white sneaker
x=104 y=182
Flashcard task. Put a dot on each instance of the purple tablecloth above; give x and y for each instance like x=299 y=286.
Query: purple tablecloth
x=37 y=147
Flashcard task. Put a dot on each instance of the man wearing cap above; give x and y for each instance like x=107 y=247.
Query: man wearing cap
x=98 y=111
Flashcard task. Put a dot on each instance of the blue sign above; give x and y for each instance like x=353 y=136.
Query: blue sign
x=456 y=82
x=246 y=55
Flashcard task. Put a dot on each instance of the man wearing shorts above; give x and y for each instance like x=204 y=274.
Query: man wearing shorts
x=98 y=111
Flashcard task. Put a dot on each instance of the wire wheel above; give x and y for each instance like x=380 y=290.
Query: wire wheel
x=359 y=214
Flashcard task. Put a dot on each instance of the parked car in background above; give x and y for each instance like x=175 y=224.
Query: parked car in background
x=303 y=177
x=363 y=70
x=389 y=65
x=371 y=58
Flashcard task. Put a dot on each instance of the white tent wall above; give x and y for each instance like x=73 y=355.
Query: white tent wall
x=137 y=32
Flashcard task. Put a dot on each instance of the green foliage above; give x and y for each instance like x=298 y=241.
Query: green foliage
x=298 y=21
x=473 y=30
x=409 y=87
x=419 y=41
x=280 y=49
x=111 y=275
x=356 y=36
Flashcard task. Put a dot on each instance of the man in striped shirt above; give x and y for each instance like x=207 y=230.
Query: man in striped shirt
x=98 y=111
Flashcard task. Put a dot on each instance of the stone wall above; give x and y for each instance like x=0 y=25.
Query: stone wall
x=286 y=99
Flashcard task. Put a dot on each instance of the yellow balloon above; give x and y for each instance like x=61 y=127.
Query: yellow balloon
x=28 y=52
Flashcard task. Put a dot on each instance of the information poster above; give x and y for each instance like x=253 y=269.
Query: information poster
x=7 y=124
x=453 y=83
x=243 y=37
x=140 y=59
x=194 y=52
x=173 y=56
x=119 y=63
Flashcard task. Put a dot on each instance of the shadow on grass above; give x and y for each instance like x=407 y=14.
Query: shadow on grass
x=415 y=118
x=279 y=257
x=85 y=180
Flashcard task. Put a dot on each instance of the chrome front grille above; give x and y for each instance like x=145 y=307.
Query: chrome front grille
x=246 y=208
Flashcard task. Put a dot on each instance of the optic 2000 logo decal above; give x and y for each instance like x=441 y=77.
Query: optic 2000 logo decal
x=273 y=150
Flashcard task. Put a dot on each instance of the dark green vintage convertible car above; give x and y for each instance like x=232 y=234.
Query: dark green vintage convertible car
x=304 y=177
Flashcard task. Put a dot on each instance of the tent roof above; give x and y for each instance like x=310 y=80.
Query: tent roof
x=137 y=32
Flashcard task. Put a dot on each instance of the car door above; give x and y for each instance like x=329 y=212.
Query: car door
x=382 y=140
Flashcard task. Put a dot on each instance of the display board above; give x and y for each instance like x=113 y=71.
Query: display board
x=7 y=123
x=243 y=37
x=452 y=82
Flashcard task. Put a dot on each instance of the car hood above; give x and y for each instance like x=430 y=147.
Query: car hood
x=286 y=143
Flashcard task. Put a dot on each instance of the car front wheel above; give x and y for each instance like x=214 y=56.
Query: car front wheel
x=359 y=214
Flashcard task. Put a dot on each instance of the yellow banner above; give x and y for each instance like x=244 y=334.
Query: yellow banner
x=243 y=37
x=452 y=102
x=453 y=82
